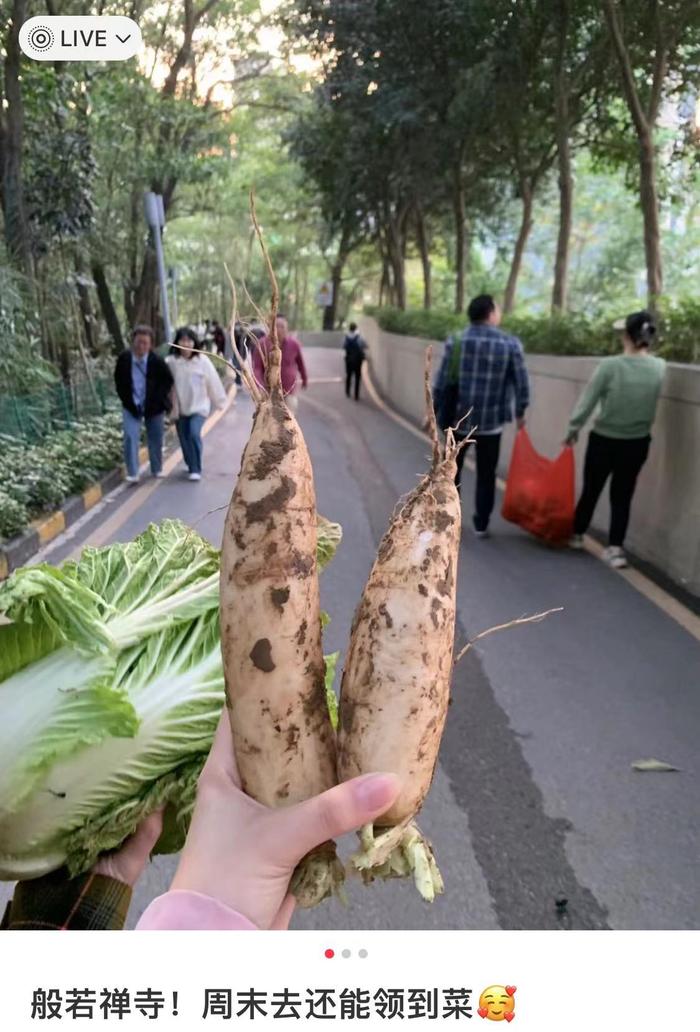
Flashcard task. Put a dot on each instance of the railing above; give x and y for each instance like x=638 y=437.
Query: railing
x=32 y=417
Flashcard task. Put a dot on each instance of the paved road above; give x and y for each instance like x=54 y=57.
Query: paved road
x=534 y=799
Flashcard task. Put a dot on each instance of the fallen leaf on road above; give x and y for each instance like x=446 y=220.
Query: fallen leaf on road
x=657 y=765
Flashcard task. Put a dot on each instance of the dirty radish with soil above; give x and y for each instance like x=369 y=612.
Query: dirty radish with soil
x=396 y=681
x=271 y=623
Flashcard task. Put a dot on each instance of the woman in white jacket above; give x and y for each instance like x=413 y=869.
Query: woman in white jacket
x=197 y=388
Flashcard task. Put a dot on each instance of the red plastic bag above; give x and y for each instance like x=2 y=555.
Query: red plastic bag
x=540 y=491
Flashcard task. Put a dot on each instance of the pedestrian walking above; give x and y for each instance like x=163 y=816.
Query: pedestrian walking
x=627 y=389
x=293 y=365
x=482 y=376
x=355 y=353
x=219 y=335
x=197 y=388
x=143 y=382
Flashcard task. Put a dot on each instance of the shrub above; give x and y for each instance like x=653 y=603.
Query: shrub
x=13 y=516
x=38 y=478
x=679 y=339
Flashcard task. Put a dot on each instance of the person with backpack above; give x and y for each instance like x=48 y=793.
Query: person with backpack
x=481 y=379
x=355 y=354
x=627 y=388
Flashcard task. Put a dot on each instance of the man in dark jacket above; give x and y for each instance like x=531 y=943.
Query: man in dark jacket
x=355 y=349
x=143 y=383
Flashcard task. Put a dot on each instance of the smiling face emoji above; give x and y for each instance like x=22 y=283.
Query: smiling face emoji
x=497 y=1003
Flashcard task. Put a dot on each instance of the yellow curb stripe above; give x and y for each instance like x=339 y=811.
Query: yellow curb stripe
x=51 y=527
x=92 y=496
x=4 y=566
x=635 y=578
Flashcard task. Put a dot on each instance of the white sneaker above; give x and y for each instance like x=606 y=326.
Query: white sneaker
x=132 y=480
x=160 y=475
x=195 y=476
x=615 y=557
x=576 y=542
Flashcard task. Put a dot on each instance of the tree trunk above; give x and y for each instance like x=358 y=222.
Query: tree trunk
x=460 y=236
x=109 y=312
x=650 y=209
x=329 y=312
x=397 y=262
x=85 y=304
x=424 y=248
x=520 y=244
x=644 y=119
x=566 y=181
x=15 y=215
x=385 y=283
x=146 y=295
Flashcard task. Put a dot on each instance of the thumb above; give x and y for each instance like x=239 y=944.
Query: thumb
x=347 y=807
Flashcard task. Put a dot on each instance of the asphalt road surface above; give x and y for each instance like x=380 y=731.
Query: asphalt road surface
x=534 y=800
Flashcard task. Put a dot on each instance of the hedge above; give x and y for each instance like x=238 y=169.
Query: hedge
x=679 y=340
x=38 y=478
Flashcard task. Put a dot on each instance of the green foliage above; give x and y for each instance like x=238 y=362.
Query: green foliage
x=553 y=335
x=433 y=324
x=39 y=478
x=21 y=369
x=13 y=516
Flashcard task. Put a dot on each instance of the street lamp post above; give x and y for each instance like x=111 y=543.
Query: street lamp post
x=155 y=217
x=172 y=274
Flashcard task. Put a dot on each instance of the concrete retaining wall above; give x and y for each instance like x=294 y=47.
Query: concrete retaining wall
x=665 y=527
x=322 y=338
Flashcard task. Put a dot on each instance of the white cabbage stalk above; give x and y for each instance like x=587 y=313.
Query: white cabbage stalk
x=111 y=687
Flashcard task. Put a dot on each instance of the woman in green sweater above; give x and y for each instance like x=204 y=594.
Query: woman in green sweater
x=627 y=387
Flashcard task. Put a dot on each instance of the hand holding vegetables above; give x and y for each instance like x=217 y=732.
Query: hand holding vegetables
x=243 y=854
x=127 y=863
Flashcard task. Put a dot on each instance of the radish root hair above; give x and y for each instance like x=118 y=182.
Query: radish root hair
x=523 y=620
x=320 y=875
x=245 y=372
x=400 y=852
x=452 y=446
x=274 y=370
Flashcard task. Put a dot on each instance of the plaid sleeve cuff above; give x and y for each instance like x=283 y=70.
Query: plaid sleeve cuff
x=91 y=902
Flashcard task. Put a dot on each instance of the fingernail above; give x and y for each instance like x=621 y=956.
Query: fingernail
x=376 y=791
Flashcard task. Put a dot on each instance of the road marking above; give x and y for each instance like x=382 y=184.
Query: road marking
x=635 y=578
x=101 y=535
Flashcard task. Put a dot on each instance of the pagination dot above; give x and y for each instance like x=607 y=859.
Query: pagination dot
x=329 y=953
x=363 y=953
x=347 y=953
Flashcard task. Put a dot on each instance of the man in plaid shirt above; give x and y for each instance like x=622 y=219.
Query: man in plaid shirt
x=491 y=376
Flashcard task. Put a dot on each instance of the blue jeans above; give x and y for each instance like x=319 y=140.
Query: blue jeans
x=189 y=430
x=132 y=441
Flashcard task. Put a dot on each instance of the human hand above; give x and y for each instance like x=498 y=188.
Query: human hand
x=521 y=422
x=127 y=863
x=244 y=854
x=570 y=440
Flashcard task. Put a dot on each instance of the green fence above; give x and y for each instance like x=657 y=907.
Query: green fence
x=32 y=417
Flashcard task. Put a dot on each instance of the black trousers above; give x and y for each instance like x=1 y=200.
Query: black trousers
x=352 y=371
x=623 y=461
x=488 y=449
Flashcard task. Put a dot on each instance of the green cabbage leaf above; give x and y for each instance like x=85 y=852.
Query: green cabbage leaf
x=111 y=687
